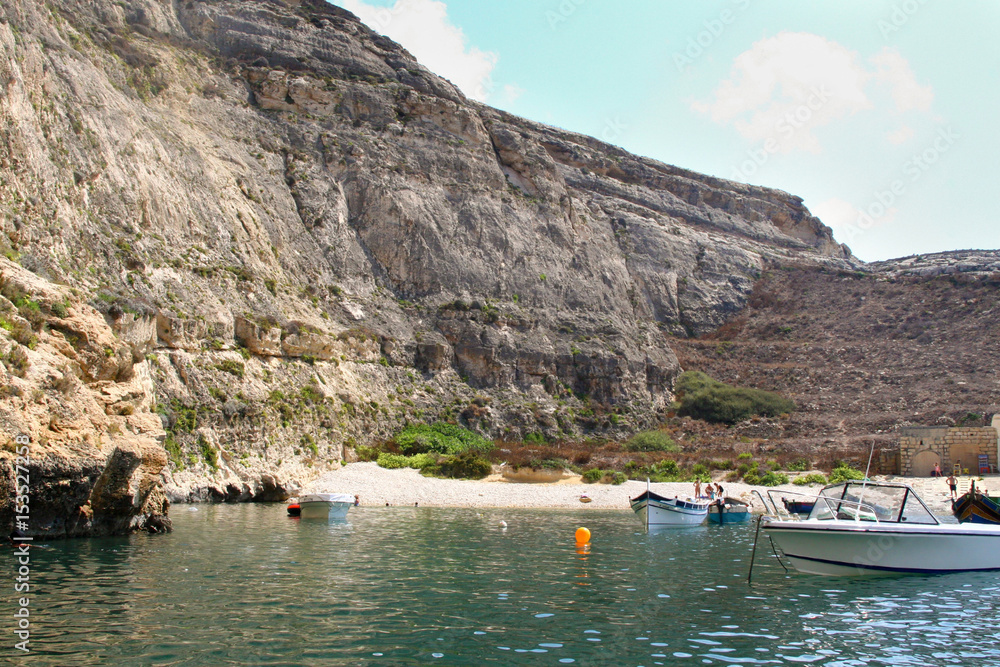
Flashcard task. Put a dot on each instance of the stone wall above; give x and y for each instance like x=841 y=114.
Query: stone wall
x=921 y=447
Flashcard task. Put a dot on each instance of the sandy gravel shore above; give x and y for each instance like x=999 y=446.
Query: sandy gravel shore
x=378 y=486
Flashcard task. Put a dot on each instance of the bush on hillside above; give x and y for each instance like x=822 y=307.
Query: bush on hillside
x=441 y=438
x=703 y=398
x=845 y=473
x=467 y=465
x=772 y=478
x=812 y=478
x=651 y=441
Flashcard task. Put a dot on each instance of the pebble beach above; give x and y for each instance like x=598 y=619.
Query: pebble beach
x=377 y=486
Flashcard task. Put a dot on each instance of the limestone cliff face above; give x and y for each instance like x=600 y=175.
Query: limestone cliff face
x=78 y=432
x=308 y=239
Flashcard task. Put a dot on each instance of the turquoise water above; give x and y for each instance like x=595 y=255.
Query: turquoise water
x=245 y=585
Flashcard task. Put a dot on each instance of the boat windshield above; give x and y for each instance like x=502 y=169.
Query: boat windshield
x=871 y=502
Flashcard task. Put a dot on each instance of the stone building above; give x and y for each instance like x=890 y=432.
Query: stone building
x=923 y=447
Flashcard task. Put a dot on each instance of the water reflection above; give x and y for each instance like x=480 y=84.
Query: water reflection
x=413 y=586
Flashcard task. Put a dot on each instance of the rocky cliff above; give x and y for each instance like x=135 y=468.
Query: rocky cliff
x=289 y=238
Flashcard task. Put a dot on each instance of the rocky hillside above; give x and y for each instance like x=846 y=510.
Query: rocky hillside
x=301 y=239
x=864 y=352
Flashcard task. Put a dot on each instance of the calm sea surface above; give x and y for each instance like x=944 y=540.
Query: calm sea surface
x=245 y=585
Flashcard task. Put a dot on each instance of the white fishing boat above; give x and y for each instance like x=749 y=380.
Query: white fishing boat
x=325 y=506
x=865 y=528
x=656 y=510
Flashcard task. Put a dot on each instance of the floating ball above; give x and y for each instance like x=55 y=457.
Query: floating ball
x=582 y=536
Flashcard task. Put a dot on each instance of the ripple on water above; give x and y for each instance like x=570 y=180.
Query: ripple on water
x=240 y=585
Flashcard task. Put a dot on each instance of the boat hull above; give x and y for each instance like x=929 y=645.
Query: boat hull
x=729 y=514
x=325 y=506
x=656 y=511
x=861 y=548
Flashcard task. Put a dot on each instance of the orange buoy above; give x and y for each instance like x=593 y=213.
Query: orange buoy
x=582 y=536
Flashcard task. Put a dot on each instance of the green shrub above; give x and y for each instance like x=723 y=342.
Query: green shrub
x=467 y=465
x=703 y=398
x=393 y=461
x=799 y=465
x=593 y=475
x=535 y=438
x=442 y=438
x=421 y=461
x=751 y=478
x=744 y=456
x=174 y=451
x=651 y=441
x=772 y=478
x=208 y=453
x=699 y=470
x=618 y=478
x=666 y=467
x=366 y=453
x=814 y=478
x=845 y=473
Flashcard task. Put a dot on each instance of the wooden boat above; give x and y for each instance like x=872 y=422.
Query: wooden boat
x=655 y=510
x=974 y=507
x=729 y=510
x=869 y=528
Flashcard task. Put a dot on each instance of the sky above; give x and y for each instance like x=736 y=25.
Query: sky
x=881 y=115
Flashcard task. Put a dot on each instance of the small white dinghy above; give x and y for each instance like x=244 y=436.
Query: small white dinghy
x=325 y=506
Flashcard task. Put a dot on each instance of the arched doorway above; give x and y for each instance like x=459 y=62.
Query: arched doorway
x=923 y=463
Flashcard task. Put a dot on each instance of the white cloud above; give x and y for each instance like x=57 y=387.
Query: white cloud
x=784 y=87
x=901 y=135
x=510 y=93
x=423 y=28
x=893 y=69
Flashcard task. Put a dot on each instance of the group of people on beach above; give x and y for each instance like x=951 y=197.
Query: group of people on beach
x=711 y=491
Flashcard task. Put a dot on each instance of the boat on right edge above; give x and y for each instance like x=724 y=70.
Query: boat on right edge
x=873 y=528
x=976 y=507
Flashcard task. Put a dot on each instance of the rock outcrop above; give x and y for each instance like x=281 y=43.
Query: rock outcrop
x=79 y=439
x=299 y=238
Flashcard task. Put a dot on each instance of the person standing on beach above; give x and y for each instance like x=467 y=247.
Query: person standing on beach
x=953 y=485
x=697 y=489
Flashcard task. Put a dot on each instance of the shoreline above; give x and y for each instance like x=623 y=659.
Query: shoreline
x=377 y=486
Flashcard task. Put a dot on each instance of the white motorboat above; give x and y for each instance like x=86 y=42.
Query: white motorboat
x=655 y=510
x=325 y=506
x=865 y=528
